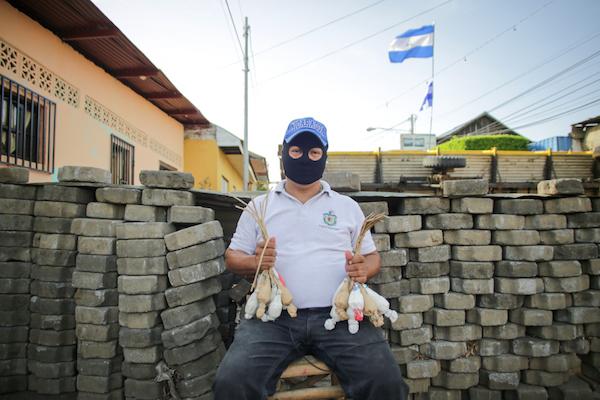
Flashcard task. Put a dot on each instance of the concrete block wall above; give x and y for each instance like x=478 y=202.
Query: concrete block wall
x=498 y=297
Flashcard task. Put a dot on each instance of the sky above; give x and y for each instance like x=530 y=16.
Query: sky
x=534 y=65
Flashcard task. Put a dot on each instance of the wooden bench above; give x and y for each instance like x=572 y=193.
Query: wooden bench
x=292 y=387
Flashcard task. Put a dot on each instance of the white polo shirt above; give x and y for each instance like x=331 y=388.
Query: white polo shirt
x=310 y=240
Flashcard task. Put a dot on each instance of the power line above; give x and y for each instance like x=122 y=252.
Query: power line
x=237 y=35
x=329 y=54
x=231 y=34
x=557 y=55
x=470 y=53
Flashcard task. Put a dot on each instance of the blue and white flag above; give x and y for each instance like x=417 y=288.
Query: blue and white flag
x=428 y=100
x=414 y=43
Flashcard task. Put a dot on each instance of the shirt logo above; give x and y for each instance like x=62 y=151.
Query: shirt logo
x=330 y=218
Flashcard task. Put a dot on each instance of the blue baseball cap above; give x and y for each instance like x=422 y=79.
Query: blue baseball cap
x=306 y=125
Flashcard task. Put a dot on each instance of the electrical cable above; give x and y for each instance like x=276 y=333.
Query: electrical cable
x=237 y=35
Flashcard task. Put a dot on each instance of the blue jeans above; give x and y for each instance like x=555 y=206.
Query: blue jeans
x=363 y=362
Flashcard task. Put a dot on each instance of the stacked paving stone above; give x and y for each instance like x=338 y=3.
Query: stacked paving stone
x=16 y=235
x=52 y=349
x=193 y=346
x=499 y=295
x=96 y=313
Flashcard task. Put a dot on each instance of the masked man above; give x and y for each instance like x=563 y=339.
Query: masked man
x=312 y=230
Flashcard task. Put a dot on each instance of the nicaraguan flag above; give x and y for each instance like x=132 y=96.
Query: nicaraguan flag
x=414 y=43
x=428 y=100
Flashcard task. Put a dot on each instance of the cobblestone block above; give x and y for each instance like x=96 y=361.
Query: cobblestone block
x=454 y=301
x=451 y=380
x=477 y=253
x=579 y=346
x=472 y=286
x=531 y=317
x=556 y=363
x=416 y=336
x=579 y=251
x=52 y=338
x=15 y=269
x=534 y=347
x=382 y=242
x=142 y=266
x=119 y=195
x=467 y=237
x=443 y=350
x=198 y=272
x=16 y=206
x=141 y=303
x=142 y=284
x=96 y=263
x=52 y=274
x=499 y=222
x=588 y=235
x=505 y=332
x=105 y=210
x=138 y=371
x=528 y=253
x=430 y=285
x=14 y=175
x=471 y=270
x=195 y=235
x=525 y=286
x=15 y=254
x=139 y=320
x=516 y=238
x=424 y=205
x=557 y=236
x=408 y=321
x=578 y=315
x=588 y=298
x=198 y=387
x=575 y=388
x=96 y=245
x=416 y=269
x=55 y=322
x=96 y=315
x=97 y=298
x=546 y=222
x=58 y=209
x=443 y=317
x=374 y=207
x=519 y=206
x=12 y=191
x=203 y=365
x=182 y=315
x=133 y=248
x=559 y=269
x=70 y=173
x=145 y=213
x=464 y=187
x=418 y=239
x=568 y=205
x=463 y=333
x=99 y=385
x=14 y=286
x=97 y=333
x=399 y=223
x=548 y=301
x=187 y=294
x=195 y=255
x=543 y=378
x=464 y=365
x=584 y=220
x=11 y=222
x=50 y=370
x=56 y=241
x=142 y=389
x=430 y=254
x=194 y=350
x=190 y=214
x=167 y=197
x=14 y=302
x=145 y=355
x=527 y=392
x=87 y=349
x=393 y=289
x=505 y=363
x=499 y=380
x=94 y=227
x=422 y=369
x=560 y=186
x=516 y=269
x=449 y=221
x=186 y=334
x=415 y=303
x=473 y=205
x=483 y=393
x=92 y=280
x=394 y=258
x=167 y=179
x=567 y=285
x=487 y=317
x=53 y=290
x=53 y=192
x=51 y=306
x=556 y=331
x=493 y=347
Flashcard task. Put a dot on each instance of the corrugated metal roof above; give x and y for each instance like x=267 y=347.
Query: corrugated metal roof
x=85 y=28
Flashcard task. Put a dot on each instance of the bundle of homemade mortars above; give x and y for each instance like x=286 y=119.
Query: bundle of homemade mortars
x=497 y=295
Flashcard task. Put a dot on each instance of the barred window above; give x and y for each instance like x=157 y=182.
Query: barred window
x=122 y=162
x=27 y=126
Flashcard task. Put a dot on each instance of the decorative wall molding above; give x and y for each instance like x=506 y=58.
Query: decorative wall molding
x=20 y=65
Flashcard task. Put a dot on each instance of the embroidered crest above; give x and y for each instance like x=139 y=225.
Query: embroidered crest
x=329 y=218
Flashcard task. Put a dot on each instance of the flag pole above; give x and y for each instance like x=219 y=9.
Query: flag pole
x=432 y=74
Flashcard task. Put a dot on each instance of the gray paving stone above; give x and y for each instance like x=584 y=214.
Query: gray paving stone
x=408 y=321
x=146 y=355
x=524 y=286
x=50 y=354
x=139 y=371
x=190 y=214
x=14 y=175
x=58 y=209
x=467 y=237
x=382 y=242
x=516 y=237
x=194 y=350
x=167 y=179
x=443 y=350
x=142 y=266
x=472 y=286
x=556 y=363
x=471 y=270
x=14 y=191
x=567 y=285
x=200 y=366
x=15 y=254
x=476 y=253
x=546 y=221
x=97 y=298
x=416 y=336
x=505 y=363
x=191 y=332
x=141 y=248
x=375 y=207
x=559 y=269
x=97 y=333
x=52 y=338
x=99 y=384
x=579 y=251
x=487 y=317
x=430 y=254
x=141 y=303
x=52 y=290
x=70 y=173
x=534 y=347
x=15 y=269
x=96 y=263
x=196 y=273
x=104 y=246
x=96 y=315
x=93 y=280
x=416 y=269
x=499 y=221
x=509 y=331
x=424 y=205
x=549 y=301
x=16 y=222
x=516 y=269
x=399 y=223
x=415 y=303
x=196 y=254
x=393 y=289
x=167 y=197
x=528 y=253
x=142 y=389
x=58 y=258
x=558 y=236
x=147 y=284
x=51 y=306
x=454 y=301
x=560 y=186
x=144 y=230
x=519 y=206
x=16 y=238
x=16 y=206
x=139 y=320
x=394 y=258
x=588 y=235
x=417 y=369
x=584 y=220
x=105 y=210
x=591 y=267
x=55 y=322
x=459 y=333
x=54 y=192
x=531 y=317
x=45 y=386
x=451 y=380
x=543 y=378
x=556 y=331
x=499 y=380
x=52 y=274
x=464 y=187
x=568 y=205
x=430 y=285
x=578 y=315
x=473 y=205
x=182 y=315
x=14 y=286
x=449 y=221
x=418 y=239
x=51 y=370
x=493 y=347
x=119 y=195
x=94 y=227
x=190 y=293
x=145 y=213
x=86 y=349
x=588 y=298
x=483 y=393
x=464 y=365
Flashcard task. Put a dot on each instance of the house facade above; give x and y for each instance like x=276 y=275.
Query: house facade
x=76 y=91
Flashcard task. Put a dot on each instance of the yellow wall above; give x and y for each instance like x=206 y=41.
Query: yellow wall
x=80 y=138
x=205 y=160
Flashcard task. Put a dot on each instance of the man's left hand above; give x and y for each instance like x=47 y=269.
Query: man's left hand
x=356 y=267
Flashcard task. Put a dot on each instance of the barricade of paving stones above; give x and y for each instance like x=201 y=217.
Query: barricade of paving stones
x=16 y=236
x=52 y=338
x=496 y=296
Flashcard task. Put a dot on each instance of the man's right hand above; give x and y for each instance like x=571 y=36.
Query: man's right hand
x=268 y=260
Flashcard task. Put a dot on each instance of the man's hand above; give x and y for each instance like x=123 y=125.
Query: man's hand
x=356 y=267
x=268 y=260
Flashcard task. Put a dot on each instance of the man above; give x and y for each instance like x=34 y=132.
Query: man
x=312 y=230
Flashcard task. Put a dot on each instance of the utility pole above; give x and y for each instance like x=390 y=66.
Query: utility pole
x=413 y=117
x=246 y=154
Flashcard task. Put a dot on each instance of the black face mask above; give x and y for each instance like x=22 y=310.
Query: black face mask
x=303 y=170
